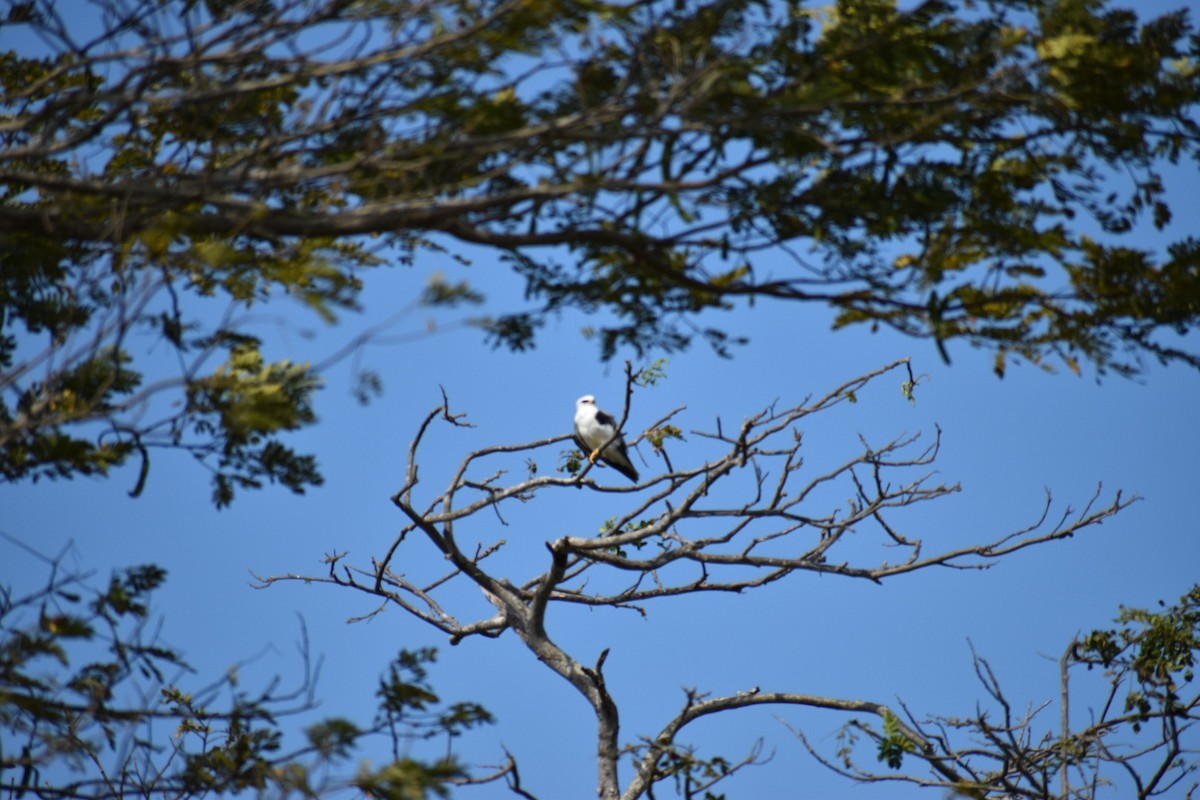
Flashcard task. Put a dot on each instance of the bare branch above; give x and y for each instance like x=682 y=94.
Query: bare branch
x=749 y=510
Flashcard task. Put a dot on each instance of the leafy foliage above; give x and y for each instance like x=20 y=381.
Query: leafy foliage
x=85 y=697
x=239 y=406
x=1140 y=740
x=406 y=700
x=1153 y=654
x=893 y=744
x=954 y=174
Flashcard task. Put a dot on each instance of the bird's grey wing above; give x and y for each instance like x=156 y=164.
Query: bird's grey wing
x=618 y=447
x=616 y=455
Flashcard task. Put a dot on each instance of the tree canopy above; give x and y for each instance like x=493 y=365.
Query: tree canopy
x=957 y=174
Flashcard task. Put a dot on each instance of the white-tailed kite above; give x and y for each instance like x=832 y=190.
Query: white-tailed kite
x=597 y=435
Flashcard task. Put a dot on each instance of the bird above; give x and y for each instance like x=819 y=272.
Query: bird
x=597 y=435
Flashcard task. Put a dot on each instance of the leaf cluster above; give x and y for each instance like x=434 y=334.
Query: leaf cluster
x=953 y=174
x=1153 y=653
x=84 y=687
x=1140 y=736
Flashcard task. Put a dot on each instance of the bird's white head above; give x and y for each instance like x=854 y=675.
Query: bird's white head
x=586 y=400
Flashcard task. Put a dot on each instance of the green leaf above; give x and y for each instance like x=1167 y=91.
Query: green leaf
x=333 y=738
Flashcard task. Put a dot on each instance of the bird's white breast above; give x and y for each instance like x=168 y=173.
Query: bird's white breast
x=589 y=429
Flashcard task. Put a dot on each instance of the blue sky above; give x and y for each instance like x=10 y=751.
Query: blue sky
x=1006 y=441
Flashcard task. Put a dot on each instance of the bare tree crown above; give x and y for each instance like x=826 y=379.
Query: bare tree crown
x=749 y=516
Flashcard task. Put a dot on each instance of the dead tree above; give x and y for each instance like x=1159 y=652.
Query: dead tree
x=742 y=519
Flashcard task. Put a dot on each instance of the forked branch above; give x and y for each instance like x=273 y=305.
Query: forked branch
x=747 y=507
